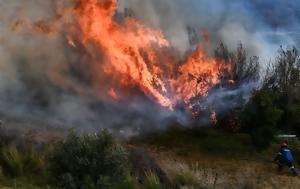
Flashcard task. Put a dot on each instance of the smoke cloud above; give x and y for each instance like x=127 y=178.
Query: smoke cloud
x=261 y=25
x=42 y=79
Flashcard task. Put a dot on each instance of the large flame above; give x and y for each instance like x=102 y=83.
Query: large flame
x=135 y=55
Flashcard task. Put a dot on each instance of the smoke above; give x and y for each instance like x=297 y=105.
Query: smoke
x=261 y=25
x=41 y=78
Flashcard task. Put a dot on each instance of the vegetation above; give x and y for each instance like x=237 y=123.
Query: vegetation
x=90 y=161
x=78 y=161
x=128 y=183
x=187 y=141
x=16 y=163
x=275 y=107
x=152 y=182
x=260 y=117
x=185 y=179
x=22 y=168
x=97 y=161
x=244 y=69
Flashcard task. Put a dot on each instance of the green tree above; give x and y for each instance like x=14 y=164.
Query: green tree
x=283 y=77
x=261 y=116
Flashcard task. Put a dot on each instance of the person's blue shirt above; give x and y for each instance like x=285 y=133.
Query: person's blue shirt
x=286 y=154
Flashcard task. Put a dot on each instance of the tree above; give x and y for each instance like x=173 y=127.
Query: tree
x=243 y=70
x=284 y=74
x=283 y=77
x=261 y=116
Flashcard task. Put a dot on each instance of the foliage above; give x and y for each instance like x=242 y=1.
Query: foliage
x=128 y=183
x=22 y=183
x=240 y=69
x=276 y=106
x=261 y=111
x=185 y=141
x=15 y=162
x=284 y=74
x=152 y=182
x=185 y=179
x=261 y=116
x=283 y=78
x=89 y=161
x=244 y=69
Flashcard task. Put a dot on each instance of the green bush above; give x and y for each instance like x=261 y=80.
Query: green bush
x=89 y=161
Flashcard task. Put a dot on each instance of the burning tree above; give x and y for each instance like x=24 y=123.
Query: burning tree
x=243 y=69
x=123 y=56
x=225 y=99
x=136 y=56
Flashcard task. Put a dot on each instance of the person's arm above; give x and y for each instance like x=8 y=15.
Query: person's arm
x=277 y=157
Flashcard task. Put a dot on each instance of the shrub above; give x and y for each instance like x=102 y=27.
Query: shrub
x=89 y=161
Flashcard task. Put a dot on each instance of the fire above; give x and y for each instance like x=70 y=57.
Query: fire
x=123 y=46
x=197 y=75
x=135 y=55
x=112 y=93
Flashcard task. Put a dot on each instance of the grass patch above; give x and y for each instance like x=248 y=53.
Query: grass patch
x=152 y=182
x=16 y=163
x=128 y=183
x=185 y=179
x=185 y=141
x=22 y=183
x=22 y=168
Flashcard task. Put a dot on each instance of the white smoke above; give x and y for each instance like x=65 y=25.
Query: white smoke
x=230 y=21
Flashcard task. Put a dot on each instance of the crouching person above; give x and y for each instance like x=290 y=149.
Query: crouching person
x=285 y=158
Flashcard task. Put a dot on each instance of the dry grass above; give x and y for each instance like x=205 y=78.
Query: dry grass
x=218 y=173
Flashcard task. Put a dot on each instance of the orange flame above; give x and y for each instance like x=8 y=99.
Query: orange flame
x=197 y=75
x=112 y=93
x=123 y=44
x=134 y=54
